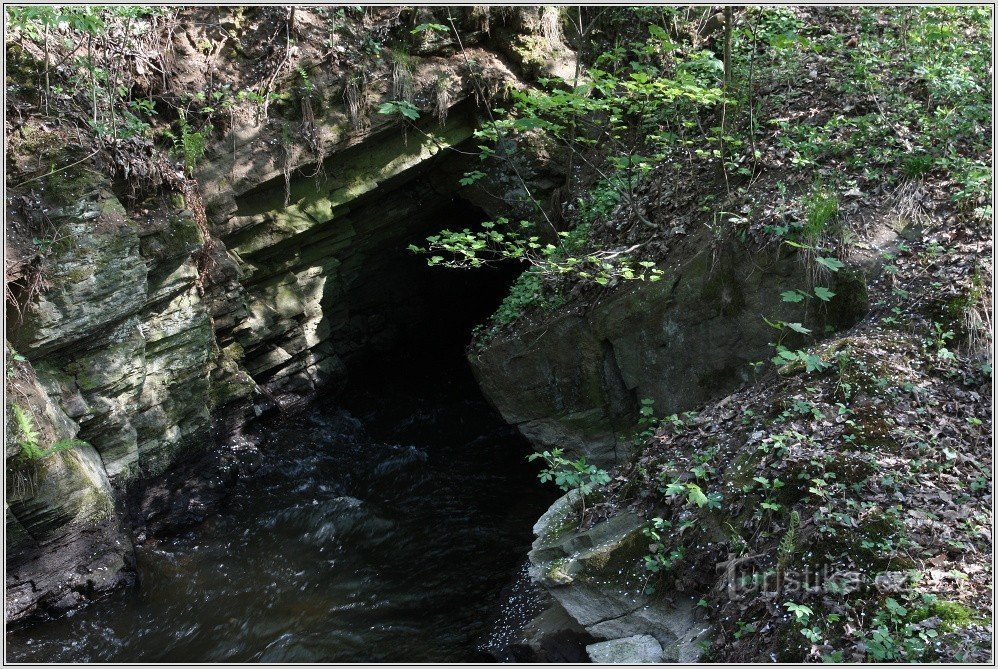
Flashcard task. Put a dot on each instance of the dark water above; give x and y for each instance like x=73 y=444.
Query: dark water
x=379 y=533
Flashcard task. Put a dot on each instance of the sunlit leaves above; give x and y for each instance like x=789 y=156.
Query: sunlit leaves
x=400 y=107
x=831 y=263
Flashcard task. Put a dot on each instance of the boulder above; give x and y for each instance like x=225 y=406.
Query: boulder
x=597 y=575
x=637 y=649
x=575 y=378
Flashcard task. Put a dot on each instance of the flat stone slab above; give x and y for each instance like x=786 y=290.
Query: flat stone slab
x=638 y=649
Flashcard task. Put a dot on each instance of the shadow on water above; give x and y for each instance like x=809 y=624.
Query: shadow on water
x=380 y=528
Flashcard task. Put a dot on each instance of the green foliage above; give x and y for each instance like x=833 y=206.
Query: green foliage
x=401 y=108
x=14 y=357
x=93 y=83
x=788 y=544
x=526 y=291
x=832 y=264
x=823 y=293
x=569 y=474
x=31 y=21
x=190 y=144
x=30 y=449
x=472 y=177
x=927 y=68
x=598 y=203
x=503 y=241
x=801 y=613
x=796 y=296
x=822 y=208
x=811 y=362
x=626 y=117
x=897 y=636
x=657 y=560
x=636 y=106
x=646 y=420
x=429 y=28
x=694 y=494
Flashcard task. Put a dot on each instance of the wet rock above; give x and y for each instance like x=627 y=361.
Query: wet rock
x=95 y=273
x=65 y=544
x=186 y=494
x=638 y=649
x=598 y=576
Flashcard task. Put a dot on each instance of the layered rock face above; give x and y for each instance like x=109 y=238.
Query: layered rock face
x=64 y=539
x=318 y=277
x=158 y=337
x=575 y=380
x=597 y=576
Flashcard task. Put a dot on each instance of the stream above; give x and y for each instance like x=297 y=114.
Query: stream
x=381 y=529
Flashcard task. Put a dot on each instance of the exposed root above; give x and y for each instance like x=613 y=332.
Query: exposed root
x=550 y=25
x=481 y=14
x=403 y=83
x=442 y=86
x=977 y=322
x=354 y=93
x=21 y=484
x=204 y=257
x=905 y=206
x=20 y=293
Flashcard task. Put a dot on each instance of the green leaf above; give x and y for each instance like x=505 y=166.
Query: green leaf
x=425 y=27
x=696 y=495
x=527 y=123
x=814 y=363
x=402 y=107
x=776 y=325
x=831 y=263
x=471 y=177
x=792 y=296
x=674 y=489
x=823 y=293
x=787 y=355
x=797 y=327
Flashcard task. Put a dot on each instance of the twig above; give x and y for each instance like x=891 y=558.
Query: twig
x=47 y=174
x=280 y=66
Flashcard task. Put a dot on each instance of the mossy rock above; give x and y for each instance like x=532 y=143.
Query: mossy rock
x=952 y=615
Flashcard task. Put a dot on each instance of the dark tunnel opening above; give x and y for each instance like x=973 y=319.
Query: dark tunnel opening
x=383 y=524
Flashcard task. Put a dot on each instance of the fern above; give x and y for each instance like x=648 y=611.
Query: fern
x=63 y=445
x=190 y=145
x=29 y=436
x=31 y=450
x=789 y=542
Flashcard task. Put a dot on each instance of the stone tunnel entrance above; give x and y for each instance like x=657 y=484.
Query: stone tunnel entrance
x=380 y=524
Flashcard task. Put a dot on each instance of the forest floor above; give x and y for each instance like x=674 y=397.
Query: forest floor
x=846 y=496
